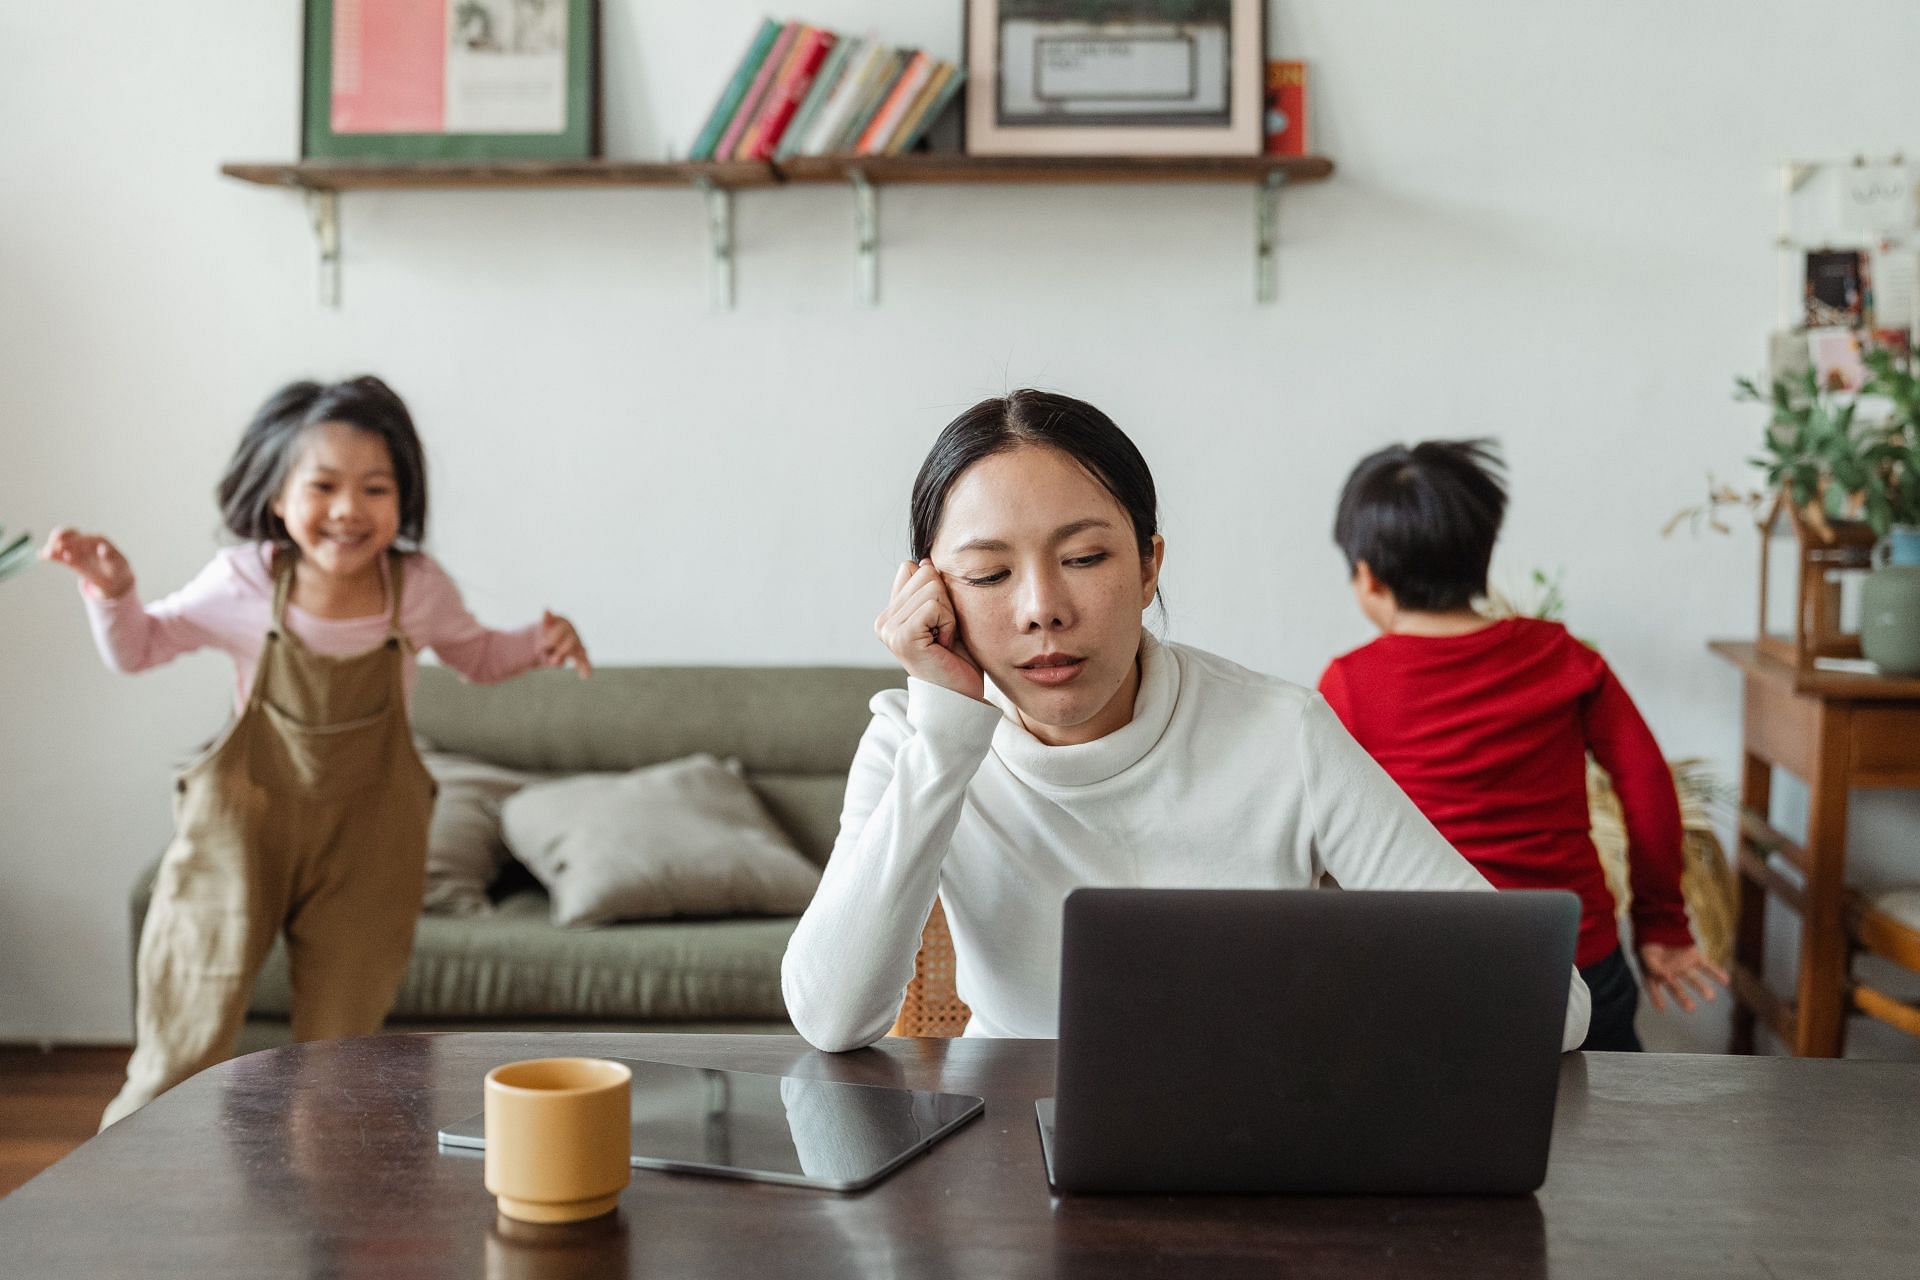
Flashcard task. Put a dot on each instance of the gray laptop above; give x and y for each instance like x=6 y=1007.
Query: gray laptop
x=1308 y=1041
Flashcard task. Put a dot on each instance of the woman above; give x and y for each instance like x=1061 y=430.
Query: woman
x=1046 y=741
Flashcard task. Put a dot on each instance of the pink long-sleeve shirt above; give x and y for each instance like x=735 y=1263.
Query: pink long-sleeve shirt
x=229 y=606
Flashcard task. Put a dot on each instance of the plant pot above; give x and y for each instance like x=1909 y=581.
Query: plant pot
x=1890 y=605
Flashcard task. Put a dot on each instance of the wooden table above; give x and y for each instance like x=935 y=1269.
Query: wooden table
x=320 y=1160
x=1835 y=732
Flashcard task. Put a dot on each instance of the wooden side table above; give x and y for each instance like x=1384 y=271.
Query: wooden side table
x=1835 y=732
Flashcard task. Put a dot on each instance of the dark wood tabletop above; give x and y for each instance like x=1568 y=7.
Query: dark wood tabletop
x=320 y=1160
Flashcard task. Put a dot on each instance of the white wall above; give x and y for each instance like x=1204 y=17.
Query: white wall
x=1552 y=222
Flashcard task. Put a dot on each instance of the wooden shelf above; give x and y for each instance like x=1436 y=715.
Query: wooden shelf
x=1053 y=170
x=323 y=181
x=359 y=175
x=362 y=175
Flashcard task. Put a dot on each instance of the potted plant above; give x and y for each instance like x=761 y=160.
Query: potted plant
x=1898 y=457
x=1840 y=477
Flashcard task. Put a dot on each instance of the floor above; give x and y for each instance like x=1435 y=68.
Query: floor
x=50 y=1103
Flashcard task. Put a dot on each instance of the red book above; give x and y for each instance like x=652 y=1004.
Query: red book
x=784 y=98
x=757 y=92
x=1286 y=108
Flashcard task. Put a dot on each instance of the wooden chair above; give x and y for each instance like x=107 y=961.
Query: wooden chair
x=932 y=1006
x=1885 y=924
x=1706 y=877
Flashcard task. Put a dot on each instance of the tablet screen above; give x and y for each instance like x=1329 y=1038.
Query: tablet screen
x=746 y=1124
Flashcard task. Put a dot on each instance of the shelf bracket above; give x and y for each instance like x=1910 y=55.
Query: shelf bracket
x=866 y=230
x=323 y=209
x=720 y=239
x=1266 y=213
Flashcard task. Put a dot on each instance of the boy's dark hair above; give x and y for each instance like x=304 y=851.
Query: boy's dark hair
x=1074 y=427
x=270 y=444
x=1425 y=519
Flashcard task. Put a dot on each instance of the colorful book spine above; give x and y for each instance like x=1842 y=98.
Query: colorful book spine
x=909 y=136
x=1286 y=108
x=723 y=110
x=852 y=91
x=756 y=92
x=743 y=149
x=915 y=109
x=783 y=102
x=876 y=97
x=844 y=51
x=887 y=119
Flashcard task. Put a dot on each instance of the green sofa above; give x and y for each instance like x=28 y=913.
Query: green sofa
x=793 y=728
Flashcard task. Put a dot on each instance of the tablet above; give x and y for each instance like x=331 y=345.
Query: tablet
x=770 y=1128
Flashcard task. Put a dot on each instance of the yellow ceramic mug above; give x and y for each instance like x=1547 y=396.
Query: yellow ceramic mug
x=558 y=1137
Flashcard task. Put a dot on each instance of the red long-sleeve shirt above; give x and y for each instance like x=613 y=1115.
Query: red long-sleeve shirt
x=1488 y=734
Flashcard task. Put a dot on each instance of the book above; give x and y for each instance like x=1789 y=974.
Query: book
x=783 y=100
x=938 y=104
x=1286 y=106
x=756 y=91
x=876 y=94
x=909 y=125
x=912 y=79
x=709 y=135
x=842 y=55
x=750 y=136
x=853 y=90
x=911 y=114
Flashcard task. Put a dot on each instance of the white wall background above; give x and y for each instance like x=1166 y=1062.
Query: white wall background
x=1552 y=222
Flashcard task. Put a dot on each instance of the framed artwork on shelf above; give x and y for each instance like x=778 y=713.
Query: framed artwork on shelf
x=451 y=80
x=1115 y=77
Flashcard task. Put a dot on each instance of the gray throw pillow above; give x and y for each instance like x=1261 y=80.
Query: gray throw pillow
x=465 y=851
x=685 y=838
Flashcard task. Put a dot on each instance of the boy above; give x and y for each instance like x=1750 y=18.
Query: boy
x=1486 y=724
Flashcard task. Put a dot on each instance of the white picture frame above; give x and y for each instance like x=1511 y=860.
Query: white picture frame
x=1197 y=92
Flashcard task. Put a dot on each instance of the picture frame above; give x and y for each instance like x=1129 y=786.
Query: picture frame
x=1115 y=77
x=476 y=80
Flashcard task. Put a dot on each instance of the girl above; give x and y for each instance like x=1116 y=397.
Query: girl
x=309 y=814
x=1045 y=740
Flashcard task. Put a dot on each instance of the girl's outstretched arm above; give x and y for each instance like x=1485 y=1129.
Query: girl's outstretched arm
x=132 y=637
x=436 y=618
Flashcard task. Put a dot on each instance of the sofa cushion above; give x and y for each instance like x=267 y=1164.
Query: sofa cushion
x=516 y=964
x=806 y=806
x=685 y=838
x=465 y=851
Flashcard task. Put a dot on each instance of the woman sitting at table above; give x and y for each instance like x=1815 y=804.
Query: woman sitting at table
x=1046 y=740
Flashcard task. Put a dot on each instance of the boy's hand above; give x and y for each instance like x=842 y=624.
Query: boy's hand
x=921 y=629
x=560 y=644
x=101 y=567
x=1680 y=972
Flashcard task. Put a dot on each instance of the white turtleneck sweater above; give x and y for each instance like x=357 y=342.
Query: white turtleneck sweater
x=1224 y=778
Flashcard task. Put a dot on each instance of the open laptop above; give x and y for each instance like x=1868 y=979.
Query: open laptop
x=1308 y=1041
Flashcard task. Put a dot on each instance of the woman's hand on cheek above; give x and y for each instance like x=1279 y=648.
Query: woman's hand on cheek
x=921 y=629
x=560 y=644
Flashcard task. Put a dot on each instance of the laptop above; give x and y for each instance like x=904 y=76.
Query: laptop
x=1310 y=1041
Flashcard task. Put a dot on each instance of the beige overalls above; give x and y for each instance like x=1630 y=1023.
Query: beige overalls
x=309 y=815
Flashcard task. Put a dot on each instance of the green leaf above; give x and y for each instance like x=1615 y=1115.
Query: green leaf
x=15 y=554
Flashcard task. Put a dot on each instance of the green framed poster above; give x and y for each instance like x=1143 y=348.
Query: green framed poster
x=451 y=80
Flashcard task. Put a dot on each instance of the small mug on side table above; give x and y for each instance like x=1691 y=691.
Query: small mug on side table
x=558 y=1138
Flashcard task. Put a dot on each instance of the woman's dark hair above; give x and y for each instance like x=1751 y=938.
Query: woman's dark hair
x=270 y=444
x=1074 y=427
x=1425 y=519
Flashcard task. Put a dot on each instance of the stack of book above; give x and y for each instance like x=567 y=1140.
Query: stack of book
x=804 y=91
